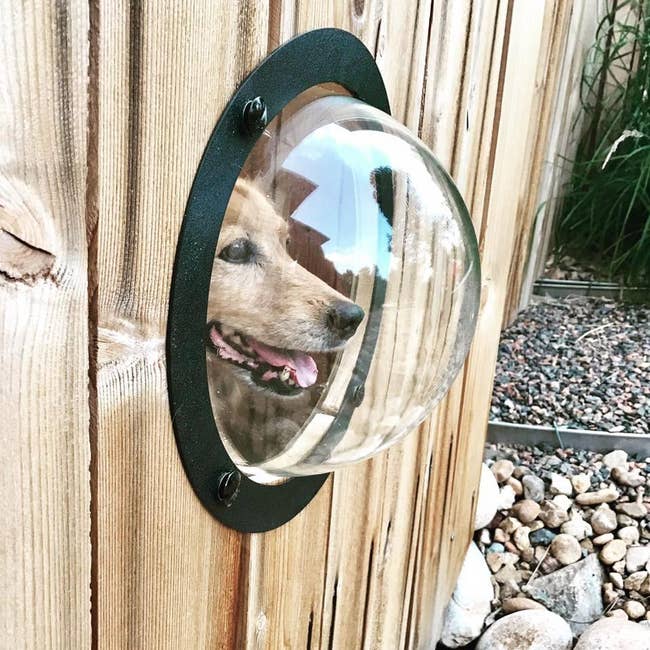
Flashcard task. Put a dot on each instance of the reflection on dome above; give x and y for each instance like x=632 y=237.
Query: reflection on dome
x=333 y=356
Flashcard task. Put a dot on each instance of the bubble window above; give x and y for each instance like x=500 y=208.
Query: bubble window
x=325 y=286
x=344 y=290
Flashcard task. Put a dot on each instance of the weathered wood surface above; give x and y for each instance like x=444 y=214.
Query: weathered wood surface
x=371 y=562
x=569 y=35
x=44 y=406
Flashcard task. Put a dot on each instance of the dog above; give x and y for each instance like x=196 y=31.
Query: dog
x=269 y=320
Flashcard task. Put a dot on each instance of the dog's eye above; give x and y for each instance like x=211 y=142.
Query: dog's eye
x=240 y=251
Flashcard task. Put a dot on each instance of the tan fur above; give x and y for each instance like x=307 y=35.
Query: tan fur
x=276 y=300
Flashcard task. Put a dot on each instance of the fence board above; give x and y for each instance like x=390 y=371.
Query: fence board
x=45 y=538
x=372 y=560
x=553 y=140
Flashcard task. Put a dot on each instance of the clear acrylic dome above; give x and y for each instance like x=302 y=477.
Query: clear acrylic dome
x=344 y=293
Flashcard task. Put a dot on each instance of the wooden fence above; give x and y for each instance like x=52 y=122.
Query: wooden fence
x=106 y=109
x=550 y=164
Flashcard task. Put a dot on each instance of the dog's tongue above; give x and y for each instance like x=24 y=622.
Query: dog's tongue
x=302 y=364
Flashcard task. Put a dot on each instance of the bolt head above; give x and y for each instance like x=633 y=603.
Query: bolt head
x=228 y=485
x=255 y=116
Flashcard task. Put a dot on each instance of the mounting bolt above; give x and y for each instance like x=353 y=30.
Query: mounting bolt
x=254 y=116
x=358 y=393
x=228 y=487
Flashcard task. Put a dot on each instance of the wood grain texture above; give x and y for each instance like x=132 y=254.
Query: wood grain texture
x=371 y=562
x=570 y=29
x=45 y=524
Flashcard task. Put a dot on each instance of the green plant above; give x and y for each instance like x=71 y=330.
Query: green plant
x=605 y=217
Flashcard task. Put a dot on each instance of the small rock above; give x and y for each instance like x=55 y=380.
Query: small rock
x=502 y=470
x=603 y=521
x=581 y=483
x=518 y=604
x=520 y=471
x=574 y=592
x=526 y=510
x=618 y=613
x=576 y=527
x=494 y=561
x=560 y=485
x=634 y=609
x=495 y=547
x=509 y=525
x=516 y=486
x=488 y=495
x=624 y=520
x=613 y=551
x=616 y=579
x=511 y=548
x=533 y=488
x=635 y=580
x=636 y=558
x=616 y=458
x=532 y=629
x=549 y=565
x=500 y=536
x=507 y=573
x=539 y=553
x=634 y=510
x=644 y=589
x=609 y=594
x=536 y=525
x=470 y=602
x=510 y=558
x=484 y=537
x=565 y=549
x=562 y=501
x=614 y=633
x=629 y=479
x=601 y=540
x=541 y=537
x=605 y=495
x=528 y=556
x=629 y=534
x=520 y=538
x=552 y=515
x=587 y=545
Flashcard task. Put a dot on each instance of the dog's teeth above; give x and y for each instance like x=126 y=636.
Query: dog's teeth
x=285 y=374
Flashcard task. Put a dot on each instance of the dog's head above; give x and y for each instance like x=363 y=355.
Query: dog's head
x=266 y=313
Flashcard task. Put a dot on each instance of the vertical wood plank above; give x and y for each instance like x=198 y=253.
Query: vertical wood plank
x=45 y=525
x=572 y=35
x=169 y=576
x=370 y=563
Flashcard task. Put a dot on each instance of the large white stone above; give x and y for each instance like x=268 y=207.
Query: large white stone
x=616 y=458
x=488 y=497
x=532 y=629
x=470 y=602
x=615 y=634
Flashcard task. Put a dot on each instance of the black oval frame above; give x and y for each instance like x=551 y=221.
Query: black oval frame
x=316 y=57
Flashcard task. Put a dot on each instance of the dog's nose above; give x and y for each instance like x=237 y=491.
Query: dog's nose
x=344 y=318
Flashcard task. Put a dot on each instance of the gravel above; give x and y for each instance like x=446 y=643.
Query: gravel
x=520 y=549
x=576 y=362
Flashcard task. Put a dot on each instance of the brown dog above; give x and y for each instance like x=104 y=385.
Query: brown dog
x=267 y=315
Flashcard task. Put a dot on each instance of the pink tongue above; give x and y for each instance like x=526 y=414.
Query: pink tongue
x=225 y=350
x=302 y=364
